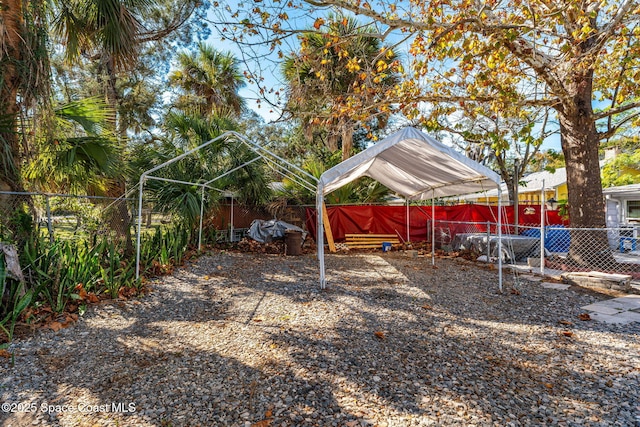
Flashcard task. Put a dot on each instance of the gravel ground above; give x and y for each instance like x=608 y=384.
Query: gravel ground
x=249 y=340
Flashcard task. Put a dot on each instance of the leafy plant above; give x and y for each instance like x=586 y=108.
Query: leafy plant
x=60 y=269
x=14 y=301
x=68 y=275
x=165 y=250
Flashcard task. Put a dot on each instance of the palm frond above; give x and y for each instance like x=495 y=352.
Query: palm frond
x=92 y=114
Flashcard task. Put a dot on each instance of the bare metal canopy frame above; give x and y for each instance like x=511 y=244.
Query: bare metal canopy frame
x=275 y=162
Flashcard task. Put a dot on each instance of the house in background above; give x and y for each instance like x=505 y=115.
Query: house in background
x=623 y=215
x=623 y=205
x=530 y=192
x=555 y=185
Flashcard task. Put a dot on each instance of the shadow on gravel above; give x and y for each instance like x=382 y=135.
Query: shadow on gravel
x=442 y=344
x=245 y=340
x=155 y=367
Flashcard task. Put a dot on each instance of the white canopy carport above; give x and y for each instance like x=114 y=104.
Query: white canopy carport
x=413 y=165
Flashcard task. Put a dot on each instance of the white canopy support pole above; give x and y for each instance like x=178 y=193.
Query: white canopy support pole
x=542 y=224
x=301 y=180
x=294 y=178
x=175 y=181
x=408 y=231
x=186 y=153
x=201 y=215
x=140 y=190
x=292 y=171
x=433 y=227
x=500 y=239
x=320 y=234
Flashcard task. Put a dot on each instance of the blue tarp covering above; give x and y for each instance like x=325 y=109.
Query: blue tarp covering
x=556 y=238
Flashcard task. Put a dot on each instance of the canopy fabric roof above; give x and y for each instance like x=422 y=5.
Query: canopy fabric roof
x=413 y=165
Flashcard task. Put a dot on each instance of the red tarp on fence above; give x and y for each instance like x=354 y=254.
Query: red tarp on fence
x=393 y=219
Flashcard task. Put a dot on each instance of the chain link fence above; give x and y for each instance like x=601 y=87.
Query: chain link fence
x=606 y=250
x=73 y=217
x=70 y=217
x=63 y=216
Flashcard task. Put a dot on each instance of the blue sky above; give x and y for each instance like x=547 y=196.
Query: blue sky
x=269 y=70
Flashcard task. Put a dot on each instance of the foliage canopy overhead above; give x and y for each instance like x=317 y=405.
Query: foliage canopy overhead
x=579 y=58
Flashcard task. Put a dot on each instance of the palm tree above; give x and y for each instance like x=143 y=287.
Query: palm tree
x=24 y=81
x=335 y=80
x=110 y=33
x=82 y=156
x=210 y=81
x=186 y=131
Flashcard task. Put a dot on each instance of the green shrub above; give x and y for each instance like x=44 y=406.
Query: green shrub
x=66 y=271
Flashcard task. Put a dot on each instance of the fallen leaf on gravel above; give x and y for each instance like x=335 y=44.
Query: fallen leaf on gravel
x=206 y=277
x=68 y=320
x=427 y=307
x=81 y=291
x=548 y=385
x=379 y=335
x=5 y=353
x=584 y=316
x=435 y=267
x=515 y=292
x=266 y=422
x=567 y=333
x=55 y=326
x=219 y=267
x=565 y=322
x=257 y=320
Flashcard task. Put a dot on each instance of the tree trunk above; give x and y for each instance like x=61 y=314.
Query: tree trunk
x=347 y=139
x=118 y=216
x=12 y=79
x=510 y=181
x=11 y=45
x=580 y=142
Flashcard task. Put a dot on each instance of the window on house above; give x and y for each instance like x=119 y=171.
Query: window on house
x=633 y=209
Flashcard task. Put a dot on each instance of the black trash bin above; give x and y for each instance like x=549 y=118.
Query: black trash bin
x=293 y=242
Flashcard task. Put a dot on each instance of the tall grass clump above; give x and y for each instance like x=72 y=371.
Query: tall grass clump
x=64 y=275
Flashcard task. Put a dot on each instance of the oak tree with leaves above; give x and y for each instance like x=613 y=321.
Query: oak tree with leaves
x=578 y=57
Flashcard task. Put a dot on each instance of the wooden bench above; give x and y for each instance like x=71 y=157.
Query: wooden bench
x=370 y=241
